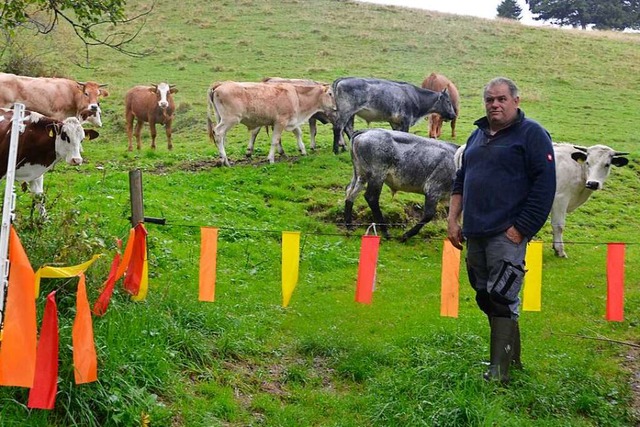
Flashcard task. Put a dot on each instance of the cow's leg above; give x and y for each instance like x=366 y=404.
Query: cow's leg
x=432 y=125
x=36 y=187
x=167 y=129
x=253 y=133
x=372 y=196
x=275 y=140
x=129 y=119
x=338 y=128
x=354 y=188
x=558 y=215
x=453 y=127
x=313 y=131
x=298 y=133
x=152 y=129
x=220 y=133
x=429 y=212
x=138 y=133
x=439 y=121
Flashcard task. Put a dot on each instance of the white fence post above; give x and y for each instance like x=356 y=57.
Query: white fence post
x=9 y=205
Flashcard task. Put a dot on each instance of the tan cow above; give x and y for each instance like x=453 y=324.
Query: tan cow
x=57 y=98
x=151 y=104
x=282 y=106
x=438 y=82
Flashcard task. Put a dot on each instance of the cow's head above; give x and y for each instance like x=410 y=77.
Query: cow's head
x=91 y=116
x=328 y=100
x=162 y=92
x=443 y=106
x=598 y=160
x=91 y=92
x=69 y=137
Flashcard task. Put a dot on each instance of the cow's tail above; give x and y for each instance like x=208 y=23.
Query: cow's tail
x=211 y=111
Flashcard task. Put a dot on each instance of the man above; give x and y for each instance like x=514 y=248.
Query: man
x=505 y=188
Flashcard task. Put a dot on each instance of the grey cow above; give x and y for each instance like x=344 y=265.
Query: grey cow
x=400 y=104
x=405 y=162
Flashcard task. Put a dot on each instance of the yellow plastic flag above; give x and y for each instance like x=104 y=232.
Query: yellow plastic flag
x=19 y=337
x=85 y=360
x=450 y=281
x=290 y=264
x=532 y=293
x=208 y=251
x=62 y=272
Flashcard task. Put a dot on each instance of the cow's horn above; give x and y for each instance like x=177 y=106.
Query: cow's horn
x=620 y=153
x=577 y=147
x=103 y=85
x=82 y=83
x=172 y=86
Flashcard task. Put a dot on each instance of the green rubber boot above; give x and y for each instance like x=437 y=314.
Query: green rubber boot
x=503 y=331
x=516 y=362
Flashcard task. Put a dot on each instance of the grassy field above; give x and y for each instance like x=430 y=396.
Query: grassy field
x=325 y=360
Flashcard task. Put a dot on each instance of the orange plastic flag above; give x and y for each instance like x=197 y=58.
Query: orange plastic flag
x=450 y=281
x=126 y=257
x=102 y=303
x=290 y=264
x=85 y=360
x=144 y=277
x=532 y=291
x=19 y=337
x=208 y=255
x=615 y=282
x=135 y=269
x=45 y=383
x=367 y=268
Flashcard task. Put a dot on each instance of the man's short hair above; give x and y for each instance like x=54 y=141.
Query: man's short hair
x=513 y=89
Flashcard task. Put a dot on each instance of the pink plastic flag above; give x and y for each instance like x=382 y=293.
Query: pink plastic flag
x=615 y=282
x=367 y=268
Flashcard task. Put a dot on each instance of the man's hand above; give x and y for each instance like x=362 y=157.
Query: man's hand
x=454 y=233
x=514 y=235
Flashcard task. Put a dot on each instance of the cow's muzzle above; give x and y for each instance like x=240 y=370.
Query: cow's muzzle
x=93 y=107
x=593 y=185
x=75 y=161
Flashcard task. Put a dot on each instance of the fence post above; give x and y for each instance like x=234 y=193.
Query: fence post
x=135 y=191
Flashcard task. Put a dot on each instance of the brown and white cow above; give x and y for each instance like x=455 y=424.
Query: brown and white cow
x=151 y=104
x=323 y=117
x=282 y=106
x=44 y=142
x=57 y=98
x=438 y=82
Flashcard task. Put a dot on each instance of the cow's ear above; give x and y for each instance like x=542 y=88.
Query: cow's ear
x=445 y=90
x=619 y=161
x=90 y=134
x=104 y=93
x=579 y=156
x=173 y=90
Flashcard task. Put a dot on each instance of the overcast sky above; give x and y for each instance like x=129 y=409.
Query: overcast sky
x=480 y=8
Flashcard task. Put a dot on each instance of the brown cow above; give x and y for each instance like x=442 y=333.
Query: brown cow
x=57 y=98
x=44 y=142
x=323 y=117
x=282 y=106
x=438 y=82
x=152 y=104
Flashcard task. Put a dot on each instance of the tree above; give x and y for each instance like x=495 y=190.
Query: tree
x=602 y=14
x=85 y=17
x=509 y=9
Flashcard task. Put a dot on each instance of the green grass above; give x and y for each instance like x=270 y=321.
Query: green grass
x=325 y=360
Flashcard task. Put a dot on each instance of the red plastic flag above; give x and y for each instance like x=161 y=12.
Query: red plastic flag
x=615 y=282
x=367 y=268
x=136 y=266
x=20 y=335
x=208 y=261
x=102 y=303
x=450 y=281
x=85 y=360
x=45 y=383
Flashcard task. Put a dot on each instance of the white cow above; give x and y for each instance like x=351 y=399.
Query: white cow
x=579 y=172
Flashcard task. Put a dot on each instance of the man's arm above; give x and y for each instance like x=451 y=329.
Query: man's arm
x=454 y=231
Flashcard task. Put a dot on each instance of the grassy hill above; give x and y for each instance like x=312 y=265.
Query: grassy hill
x=325 y=360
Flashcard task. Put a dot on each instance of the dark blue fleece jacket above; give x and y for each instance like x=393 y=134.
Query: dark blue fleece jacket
x=506 y=179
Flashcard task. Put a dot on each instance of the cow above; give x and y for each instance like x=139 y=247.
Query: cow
x=151 y=104
x=405 y=162
x=56 y=98
x=44 y=142
x=579 y=172
x=282 y=106
x=323 y=117
x=400 y=104
x=438 y=82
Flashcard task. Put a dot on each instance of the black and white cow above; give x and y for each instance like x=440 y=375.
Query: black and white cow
x=405 y=162
x=579 y=172
x=400 y=104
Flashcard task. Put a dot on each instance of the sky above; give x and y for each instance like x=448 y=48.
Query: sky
x=479 y=8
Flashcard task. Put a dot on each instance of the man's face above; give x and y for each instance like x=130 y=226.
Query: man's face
x=501 y=107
